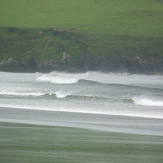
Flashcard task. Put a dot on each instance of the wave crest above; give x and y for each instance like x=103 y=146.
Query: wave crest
x=71 y=78
x=58 y=94
x=59 y=79
x=21 y=93
x=147 y=102
x=61 y=94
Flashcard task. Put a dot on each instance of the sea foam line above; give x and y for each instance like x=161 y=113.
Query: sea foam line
x=58 y=94
x=59 y=79
x=21 y=93
x=87 y=111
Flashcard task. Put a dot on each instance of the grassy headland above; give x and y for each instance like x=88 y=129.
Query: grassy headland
x=97 y=35
x=114 y=17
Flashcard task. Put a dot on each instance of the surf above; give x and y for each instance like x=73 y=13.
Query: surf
x=144 y=101
x=71 y=78
x=84 y=111
x=57 y=94
x=8 y=93
x=95 y=77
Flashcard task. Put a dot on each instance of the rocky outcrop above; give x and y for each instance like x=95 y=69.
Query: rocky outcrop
x=9 y=65
x=121 y=64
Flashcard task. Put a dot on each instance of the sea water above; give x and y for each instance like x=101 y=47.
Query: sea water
x=128 y=103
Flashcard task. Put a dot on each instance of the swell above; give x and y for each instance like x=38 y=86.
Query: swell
x=99 y=78
x=89 y=79
x=127 y=86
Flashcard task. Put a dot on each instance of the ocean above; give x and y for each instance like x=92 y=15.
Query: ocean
x=124 y=103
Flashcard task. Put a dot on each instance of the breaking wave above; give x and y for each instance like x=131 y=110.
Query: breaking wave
x=61 y=94
x=59 y=78
x=68 y=78
x=147 y=102
x=138 y=100
x=58 y=94
x=92 y=77
x=21 y=93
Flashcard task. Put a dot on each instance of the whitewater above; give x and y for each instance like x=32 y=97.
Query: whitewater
x=103 y=101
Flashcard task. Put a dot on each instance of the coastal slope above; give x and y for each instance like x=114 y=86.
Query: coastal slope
x=79 y=36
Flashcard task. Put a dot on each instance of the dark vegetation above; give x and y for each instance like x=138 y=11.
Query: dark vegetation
x=31 y=50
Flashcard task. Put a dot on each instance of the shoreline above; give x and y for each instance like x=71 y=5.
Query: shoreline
x=157 y=73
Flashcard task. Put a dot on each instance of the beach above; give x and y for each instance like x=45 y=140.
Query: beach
x=91 y=117
x=35 y=143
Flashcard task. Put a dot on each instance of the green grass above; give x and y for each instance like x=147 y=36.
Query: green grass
x=45 y=44
x=23 y=143
x=113 y=17
x=93 y=32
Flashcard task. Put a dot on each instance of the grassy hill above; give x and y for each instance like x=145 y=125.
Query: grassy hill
x=95 y=33
x=127 y=17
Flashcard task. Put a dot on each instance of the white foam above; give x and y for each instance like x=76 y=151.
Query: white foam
x=58 y=94
x=22 y=93
x=85 y=110
x=61 y=94
x=105 y=78
x=45 y=78
x=71 y=78
x=63 y=79
x=147 y=102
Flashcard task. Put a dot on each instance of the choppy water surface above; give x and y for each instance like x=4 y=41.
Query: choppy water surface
x=95 y=100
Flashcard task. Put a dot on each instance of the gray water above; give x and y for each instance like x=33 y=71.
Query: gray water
x=94 y=100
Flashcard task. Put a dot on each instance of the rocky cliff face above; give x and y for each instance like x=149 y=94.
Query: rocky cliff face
x=121 y=64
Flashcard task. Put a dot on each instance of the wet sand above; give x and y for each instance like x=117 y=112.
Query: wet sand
x=26 y=143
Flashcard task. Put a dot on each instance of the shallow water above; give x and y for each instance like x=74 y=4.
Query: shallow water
x=102 y=101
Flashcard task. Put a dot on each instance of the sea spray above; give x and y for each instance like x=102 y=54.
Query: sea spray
x=61 y=94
